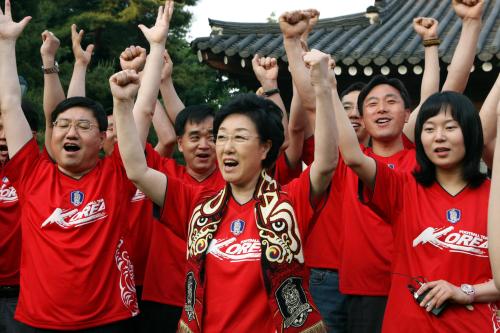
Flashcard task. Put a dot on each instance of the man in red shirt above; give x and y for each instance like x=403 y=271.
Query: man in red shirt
x=324 y=261
x=10 y=229
x=73 y=234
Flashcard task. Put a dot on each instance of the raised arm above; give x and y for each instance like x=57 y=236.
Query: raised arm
x=53 y=92
x=348 y=143
x=150 y=82
x=82 y=60
x=17 y=129
x=124 y=86
x=494 y=209
x=173 y=103
x=299 y=129
x=293 y=25
x=164 y=130
x=427 y=29
x=325 y=150
x=266 y=71
x=488 y=121
x=470 y=13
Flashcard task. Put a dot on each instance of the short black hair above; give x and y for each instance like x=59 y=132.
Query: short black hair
x=192 y=114
x=266 y=116
x=84 y=102
x=381 y=79
x=356 y=86
x=465 y=114
x=31 y=115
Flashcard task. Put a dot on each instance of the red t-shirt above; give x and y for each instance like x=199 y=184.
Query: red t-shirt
x=437 y=236
x=10 y=231
x=140 y=217
x=322 y=246
x=76 y=272
x=367 y=245
x=165 y=270
x=282 y=171
x=235 y=296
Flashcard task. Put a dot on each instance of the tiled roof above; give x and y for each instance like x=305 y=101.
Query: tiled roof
x=355 y=43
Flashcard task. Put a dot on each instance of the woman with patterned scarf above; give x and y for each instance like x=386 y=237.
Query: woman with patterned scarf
x=245 y=269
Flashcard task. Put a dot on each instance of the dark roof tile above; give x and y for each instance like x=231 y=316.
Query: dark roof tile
x=351 y=40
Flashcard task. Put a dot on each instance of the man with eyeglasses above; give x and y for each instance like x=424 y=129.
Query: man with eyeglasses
x=76 y=272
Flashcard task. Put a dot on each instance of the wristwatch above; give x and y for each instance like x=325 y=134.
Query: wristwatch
x=51 y=70
x=468 y=289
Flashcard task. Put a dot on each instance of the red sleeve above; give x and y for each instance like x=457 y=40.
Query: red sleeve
x=180 y=200
x=117 y=162
x=23 y=163
x=282 y=171
x=386 y=198
x=308 y=150
x=153 y=158
x=299 y=192
x=407 y=144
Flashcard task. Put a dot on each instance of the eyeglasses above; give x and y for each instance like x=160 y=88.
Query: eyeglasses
x=79 y=124
x=222 y=139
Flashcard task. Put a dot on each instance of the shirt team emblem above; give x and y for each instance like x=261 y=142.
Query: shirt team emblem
x=237 y=227
x=76 y=198
x=453 y=215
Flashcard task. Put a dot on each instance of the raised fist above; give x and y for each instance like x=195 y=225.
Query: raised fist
x=320 y=65
x=313 y=19
x=265 y=69
x=124 y=85
x=50 y=44
x=294 y=24
x=468 y=9
x=133 y=57
x=426 y=27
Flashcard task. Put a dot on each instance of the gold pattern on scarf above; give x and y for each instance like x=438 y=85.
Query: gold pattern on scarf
x=278 y=231
x=201 y=226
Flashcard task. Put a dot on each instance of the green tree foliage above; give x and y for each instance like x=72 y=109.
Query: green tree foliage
x=112 y=26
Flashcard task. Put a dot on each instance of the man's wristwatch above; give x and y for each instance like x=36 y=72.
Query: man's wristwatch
x=468 y=290
x=51 y=70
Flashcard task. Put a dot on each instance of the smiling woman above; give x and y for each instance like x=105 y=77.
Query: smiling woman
x=247 y=237
x=439 y=215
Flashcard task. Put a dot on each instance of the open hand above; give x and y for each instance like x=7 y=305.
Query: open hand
x=10 y=30
x=158 y=33
x=81 y=56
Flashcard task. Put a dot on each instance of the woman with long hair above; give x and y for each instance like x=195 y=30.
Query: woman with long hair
x=441 y=279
